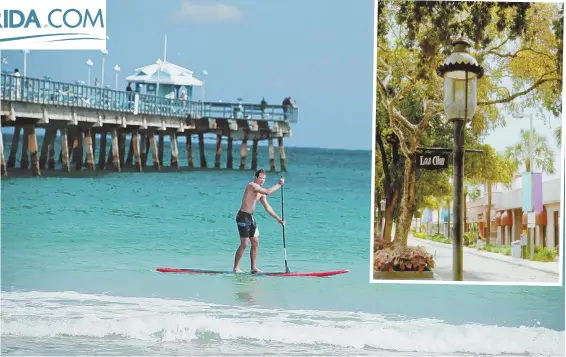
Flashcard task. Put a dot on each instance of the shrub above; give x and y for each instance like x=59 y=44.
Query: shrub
x=410 y=259
x=439 y=237
x=419 y=235
x=505 y=249
x=470 y=238
x=545 y=254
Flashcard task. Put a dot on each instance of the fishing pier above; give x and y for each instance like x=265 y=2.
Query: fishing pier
x=86 y=118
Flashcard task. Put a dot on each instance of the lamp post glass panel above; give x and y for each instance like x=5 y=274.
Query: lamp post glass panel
x=460 y=72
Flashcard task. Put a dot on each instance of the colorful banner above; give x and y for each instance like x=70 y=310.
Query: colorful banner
x=527 y=192
x=426 y=216
x=444 y=215
x=537 y=192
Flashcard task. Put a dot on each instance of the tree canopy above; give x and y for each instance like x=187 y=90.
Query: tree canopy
x=519 y=46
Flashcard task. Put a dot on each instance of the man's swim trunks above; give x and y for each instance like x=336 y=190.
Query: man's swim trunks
x=246 y=224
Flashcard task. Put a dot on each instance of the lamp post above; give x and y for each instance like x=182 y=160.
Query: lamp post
x=117 y=70
x=531 y=136
x=204 y=73
x=89 y=65
x=25 y=52
x=104 y=53
x=460 y=72
x=531 y=169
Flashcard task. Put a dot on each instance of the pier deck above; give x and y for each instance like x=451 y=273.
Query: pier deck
x=81 y=117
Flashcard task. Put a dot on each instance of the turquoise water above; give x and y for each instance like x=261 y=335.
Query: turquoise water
x=79 y=257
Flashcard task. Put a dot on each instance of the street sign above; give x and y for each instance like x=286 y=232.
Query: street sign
x=531 y=220
x=524 y=240
x=432 y=161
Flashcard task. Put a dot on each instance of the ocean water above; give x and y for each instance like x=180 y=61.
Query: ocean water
x=79 y=256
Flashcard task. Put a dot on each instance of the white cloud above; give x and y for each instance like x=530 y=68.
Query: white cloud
x=207 y=11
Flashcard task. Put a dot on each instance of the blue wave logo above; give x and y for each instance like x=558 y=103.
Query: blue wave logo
x=18 y=38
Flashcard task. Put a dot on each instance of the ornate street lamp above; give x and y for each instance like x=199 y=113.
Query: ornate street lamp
x=461 y=72
x=89 y=65
x=104 y=53
x=117 y=70
x=25 y=52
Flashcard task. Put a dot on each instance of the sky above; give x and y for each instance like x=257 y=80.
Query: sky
x=543 y=124
x=319 y=52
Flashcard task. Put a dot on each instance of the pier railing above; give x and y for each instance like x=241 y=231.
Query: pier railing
x=48 y=92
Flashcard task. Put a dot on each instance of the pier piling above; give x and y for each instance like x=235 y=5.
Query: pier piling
x=89 y=150
x=24 y=158
x=244 y=150
x=45 y=146
x=65 y=150
x=161 y=146
x=135 y=151
x=174 y=151
x=122 y=147
x=115 y=150
x=271 y=154
x=229 y=158
x=201 y=150
x=218 y=149
x=3 y=168
x=51 y=161
x=102 y=152
x=14 y=148
x=134 y=117
x=282 y=154
x=190 y=150
x=32 y=148
x=130 y=156
x=157 y=152
x=78 y=152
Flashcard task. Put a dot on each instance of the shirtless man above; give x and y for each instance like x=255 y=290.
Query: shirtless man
x=247 y=226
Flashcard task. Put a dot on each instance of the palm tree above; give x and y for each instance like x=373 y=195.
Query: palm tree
x=542 y=154
x=558 y=135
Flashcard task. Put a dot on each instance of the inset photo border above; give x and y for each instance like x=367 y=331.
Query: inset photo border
x=468 y=156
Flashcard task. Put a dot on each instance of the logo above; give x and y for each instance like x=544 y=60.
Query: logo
x=53 y=24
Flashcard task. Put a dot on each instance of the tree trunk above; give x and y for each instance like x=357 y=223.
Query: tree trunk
x=466 y=212
x=378 y=224
x=407 y=204
x=448 y=219
x=391 y=182
x=488 y=213
x=390 y=203
x=438 y=219
x=379 y=228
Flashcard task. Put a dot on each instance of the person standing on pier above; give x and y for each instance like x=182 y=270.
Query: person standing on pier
x=130 y=95
x=17 y=76
x=247 y=227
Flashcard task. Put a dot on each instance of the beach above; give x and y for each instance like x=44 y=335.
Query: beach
x=79 y=257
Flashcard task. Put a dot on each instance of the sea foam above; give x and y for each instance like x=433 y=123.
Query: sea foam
x=68 y=314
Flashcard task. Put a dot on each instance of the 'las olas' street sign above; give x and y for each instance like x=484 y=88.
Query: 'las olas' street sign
x=432 y=161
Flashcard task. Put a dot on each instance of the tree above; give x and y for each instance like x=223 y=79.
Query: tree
x=489 y=168
x=514 y=41
x=542 y=154
x=387 y=149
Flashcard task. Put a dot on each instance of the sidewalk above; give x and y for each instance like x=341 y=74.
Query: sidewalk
x=487 y=266
x=548 y=267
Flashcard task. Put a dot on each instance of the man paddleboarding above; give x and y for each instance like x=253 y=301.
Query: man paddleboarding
x=247 y=227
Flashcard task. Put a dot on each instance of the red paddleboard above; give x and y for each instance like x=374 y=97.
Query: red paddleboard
x=200 y=271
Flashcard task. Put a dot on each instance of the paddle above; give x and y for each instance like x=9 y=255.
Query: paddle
x=283 y=218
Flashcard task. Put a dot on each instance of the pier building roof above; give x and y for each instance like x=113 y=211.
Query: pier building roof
x=170 y=73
